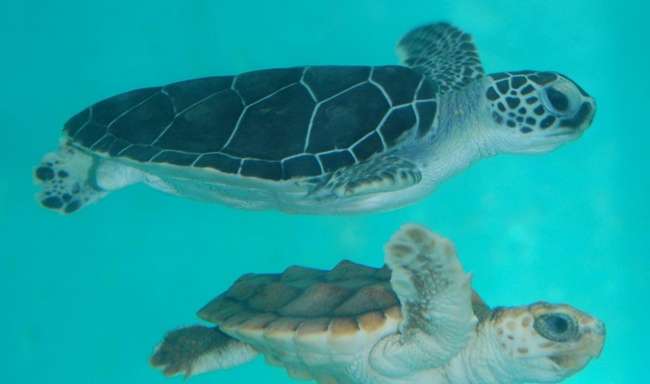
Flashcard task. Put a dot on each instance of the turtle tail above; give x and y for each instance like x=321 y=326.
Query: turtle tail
x=65 y=180
x=198 y=349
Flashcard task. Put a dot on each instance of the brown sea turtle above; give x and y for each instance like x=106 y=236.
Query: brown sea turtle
x=417 y=320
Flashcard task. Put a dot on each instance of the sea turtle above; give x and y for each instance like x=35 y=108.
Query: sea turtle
x=316 y=139
x=416 y=320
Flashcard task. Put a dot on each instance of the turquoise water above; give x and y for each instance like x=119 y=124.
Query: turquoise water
x=86 y=297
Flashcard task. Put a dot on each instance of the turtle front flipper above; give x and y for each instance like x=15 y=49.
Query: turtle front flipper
x=66 y=177
x=198 y=349
x=436 y=300
x=380 y=174
x=443 y=53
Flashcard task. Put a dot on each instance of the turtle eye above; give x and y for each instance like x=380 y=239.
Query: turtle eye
x=558 y=100
x=557 y=327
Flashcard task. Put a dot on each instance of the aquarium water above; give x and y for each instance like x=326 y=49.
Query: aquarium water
x=85 y=298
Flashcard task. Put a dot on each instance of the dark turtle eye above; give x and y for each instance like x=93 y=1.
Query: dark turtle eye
x=556 y=327
x=558 y=100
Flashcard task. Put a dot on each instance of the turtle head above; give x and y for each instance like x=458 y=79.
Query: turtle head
x=536 y=112
x=544 y=342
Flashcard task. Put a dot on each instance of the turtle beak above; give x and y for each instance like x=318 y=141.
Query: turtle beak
x=595 y=333
x=583 y=118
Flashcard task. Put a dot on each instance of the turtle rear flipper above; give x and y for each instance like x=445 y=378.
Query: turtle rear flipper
x=65 y=179
x=198 y=349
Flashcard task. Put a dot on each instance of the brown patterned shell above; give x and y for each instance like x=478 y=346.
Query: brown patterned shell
x=352 y=304
x=349 y=291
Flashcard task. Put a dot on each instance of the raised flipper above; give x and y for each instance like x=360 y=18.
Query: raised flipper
x=198 y=349
x=442 y=52
x=436 y=302
x=380 y=174
x=65 y=179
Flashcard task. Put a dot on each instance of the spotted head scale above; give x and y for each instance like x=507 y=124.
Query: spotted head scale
x=537 y=111
x=545 y=342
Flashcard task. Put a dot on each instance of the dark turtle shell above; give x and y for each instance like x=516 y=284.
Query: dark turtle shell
x=273 y=124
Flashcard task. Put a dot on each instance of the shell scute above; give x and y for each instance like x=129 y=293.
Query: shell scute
x=184 y=94
x=317 y=325
x=236 y=320
x=367 y=299
x=257 y=323
x=282 y=326
x=144 y=122
x=340 y=122
x=272 y=296
x=327 y=81
x=343 y=326
x=248 y=285
x=204 y=127
x=318 y=300
x=265 y=127
x=349 y=270
x=398 y=82
x=394 y=313
x=355 y=283
x=220 y=309
x=300 y=273
x=372 y=321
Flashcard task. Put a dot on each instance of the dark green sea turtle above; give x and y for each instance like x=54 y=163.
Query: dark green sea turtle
x=316 y=139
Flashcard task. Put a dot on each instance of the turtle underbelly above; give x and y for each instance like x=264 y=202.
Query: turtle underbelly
x=289 y=197
x=234 y=194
